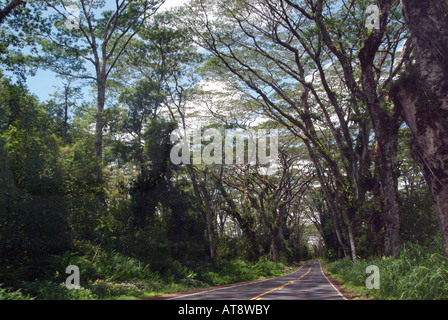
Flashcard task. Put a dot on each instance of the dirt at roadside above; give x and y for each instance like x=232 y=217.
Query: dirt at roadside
x=349 y=295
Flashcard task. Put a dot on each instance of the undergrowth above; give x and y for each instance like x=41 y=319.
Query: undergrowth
x=112 y=275
x=419 y=273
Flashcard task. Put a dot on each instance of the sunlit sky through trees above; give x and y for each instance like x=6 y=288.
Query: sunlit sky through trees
x=45 y=82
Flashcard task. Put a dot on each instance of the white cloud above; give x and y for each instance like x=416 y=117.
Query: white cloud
x=172 y=3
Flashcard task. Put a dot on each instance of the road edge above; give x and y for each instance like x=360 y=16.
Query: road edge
x=339 y=286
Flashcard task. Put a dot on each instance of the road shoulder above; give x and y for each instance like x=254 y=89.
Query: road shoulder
x=349 y=295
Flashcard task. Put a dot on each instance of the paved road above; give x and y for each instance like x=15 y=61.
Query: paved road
x=307 y=283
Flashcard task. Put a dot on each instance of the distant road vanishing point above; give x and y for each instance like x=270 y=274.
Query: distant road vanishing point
x=307 y=283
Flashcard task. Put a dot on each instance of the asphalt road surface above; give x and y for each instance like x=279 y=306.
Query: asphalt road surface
x=307 y=283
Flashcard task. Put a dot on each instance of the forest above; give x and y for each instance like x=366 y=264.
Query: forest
x=99 y=98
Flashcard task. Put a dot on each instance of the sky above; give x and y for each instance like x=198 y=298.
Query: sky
x=172 y=3
x=45 y=82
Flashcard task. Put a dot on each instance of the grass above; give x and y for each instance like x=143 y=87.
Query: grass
x=419 y=273
x=222 y=273
x=115 y=276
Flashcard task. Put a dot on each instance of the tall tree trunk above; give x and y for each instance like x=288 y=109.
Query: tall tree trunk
x=351 y=235
x=100 y=118
x=422 y=96
x=65 y=124
x=211 y=233
x=277 y=239
x=389 y=190
x=201 y=193
x=386 y=129
x=386 y=126
x=209 y=218
x=329 y=199
x=275 y=256
x=243 y=219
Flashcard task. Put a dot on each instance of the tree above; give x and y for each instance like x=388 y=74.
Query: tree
x=154 y=182
x=33 y=213
x=61 y=105
x=385 y=120
x=421 y=96
x=100 y=41
x=292 y=59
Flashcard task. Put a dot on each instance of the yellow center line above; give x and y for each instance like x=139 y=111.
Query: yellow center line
x=281 y=287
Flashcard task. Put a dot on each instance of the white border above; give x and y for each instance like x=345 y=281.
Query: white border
x=339 y=292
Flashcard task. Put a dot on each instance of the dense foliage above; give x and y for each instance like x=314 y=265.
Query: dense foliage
x=419 y=273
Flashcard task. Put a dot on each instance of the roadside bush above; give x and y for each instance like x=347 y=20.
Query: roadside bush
x=109 y=266
x=104 y=290
x=224 y=272
x=13 y=295
x=420 y=273
x=45 y=290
